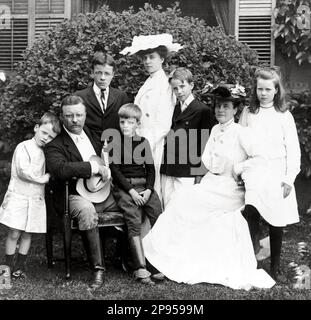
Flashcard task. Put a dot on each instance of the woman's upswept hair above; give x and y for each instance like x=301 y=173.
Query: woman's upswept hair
x=279 y=101
x=161 y=50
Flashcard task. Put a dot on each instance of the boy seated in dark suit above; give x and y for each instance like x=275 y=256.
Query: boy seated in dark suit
x=191 y=124
x=133 y=175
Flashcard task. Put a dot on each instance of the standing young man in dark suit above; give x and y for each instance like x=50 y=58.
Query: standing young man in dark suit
x=70 y=156
x=191 y=125
x=101 y=100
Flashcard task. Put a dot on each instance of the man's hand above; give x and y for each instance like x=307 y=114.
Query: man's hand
x=47 y=177
x=146 y=195
x=104 y=172
x=286 y=189
x=137 y=198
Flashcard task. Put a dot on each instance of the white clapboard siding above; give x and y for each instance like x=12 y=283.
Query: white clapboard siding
x=254 y=20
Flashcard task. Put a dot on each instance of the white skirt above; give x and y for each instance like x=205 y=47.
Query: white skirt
x=265 y=193
x=203 y=237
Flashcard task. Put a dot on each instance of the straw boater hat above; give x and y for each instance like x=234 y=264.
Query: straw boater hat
x=142 y=43
x=94 y=188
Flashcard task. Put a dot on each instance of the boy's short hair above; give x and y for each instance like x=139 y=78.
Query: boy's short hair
x=130 y=110
x=71 y=100
x=100 y=58
x=182 y=74
x=50 y=118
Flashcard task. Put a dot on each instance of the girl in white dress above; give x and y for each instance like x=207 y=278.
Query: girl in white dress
x=202 y=236
x=155 y=98
x=272 y=192
x=23 y=209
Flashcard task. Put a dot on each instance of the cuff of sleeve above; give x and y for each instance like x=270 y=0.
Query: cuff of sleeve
x=94 y=167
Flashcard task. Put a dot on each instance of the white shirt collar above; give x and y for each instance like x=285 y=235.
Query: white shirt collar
x=267 y=106
x=187 y=102
x=76 y=137
x=157 y=73
x=98 y=90
x=226 y=125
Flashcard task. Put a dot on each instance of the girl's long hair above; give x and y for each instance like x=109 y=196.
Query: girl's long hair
x=279 y=100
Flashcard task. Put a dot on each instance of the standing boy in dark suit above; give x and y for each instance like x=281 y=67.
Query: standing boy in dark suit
x=101 y=100
x=191 y=124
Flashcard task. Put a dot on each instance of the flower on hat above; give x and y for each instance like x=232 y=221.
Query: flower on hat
x=225 y=90
x=237 y=91
x=142 y=43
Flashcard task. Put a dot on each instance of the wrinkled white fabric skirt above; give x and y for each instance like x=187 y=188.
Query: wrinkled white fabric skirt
x=202 y=237
x=264 y=191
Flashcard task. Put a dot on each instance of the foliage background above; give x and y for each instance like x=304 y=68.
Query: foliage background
x=293 y=40
x=58 y=63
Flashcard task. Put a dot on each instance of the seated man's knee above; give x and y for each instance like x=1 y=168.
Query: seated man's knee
x=85 y=212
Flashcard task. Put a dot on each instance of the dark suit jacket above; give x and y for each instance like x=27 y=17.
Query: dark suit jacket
x=181 y=147
x=63 y=162
x=96 y=120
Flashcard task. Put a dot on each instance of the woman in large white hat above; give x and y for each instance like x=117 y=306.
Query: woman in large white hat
x=155 y=97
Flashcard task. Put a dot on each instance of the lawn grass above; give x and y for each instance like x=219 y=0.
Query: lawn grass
x=49 y=284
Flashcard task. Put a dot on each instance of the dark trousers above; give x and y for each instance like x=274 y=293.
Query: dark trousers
x=133 y=214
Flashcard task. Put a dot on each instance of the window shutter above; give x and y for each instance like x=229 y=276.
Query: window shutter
x=254 y=27
x=14 y=37
x=28 y=20
x=49 y=13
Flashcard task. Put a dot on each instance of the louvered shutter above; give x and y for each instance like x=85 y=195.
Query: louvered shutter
x=28 y=19
x=49 y=13
x=253 y=27
x=14 y=36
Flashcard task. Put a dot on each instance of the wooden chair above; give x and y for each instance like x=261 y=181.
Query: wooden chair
x=106 y=219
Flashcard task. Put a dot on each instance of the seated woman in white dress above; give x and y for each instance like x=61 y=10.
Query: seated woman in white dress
x=202 y=235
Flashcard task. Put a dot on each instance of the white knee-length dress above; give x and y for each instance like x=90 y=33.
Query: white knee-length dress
x=23 y=206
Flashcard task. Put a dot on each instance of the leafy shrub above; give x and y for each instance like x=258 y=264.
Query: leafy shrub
x=58 y=62
x=290 y=29
x=301 y=110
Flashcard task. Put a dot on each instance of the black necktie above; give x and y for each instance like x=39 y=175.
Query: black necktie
x=102 y=97
x=178 y=109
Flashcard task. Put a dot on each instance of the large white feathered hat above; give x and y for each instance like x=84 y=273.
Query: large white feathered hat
x=142 y=43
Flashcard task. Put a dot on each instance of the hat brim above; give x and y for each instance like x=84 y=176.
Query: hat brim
x=96 y=197
x=175 y=47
